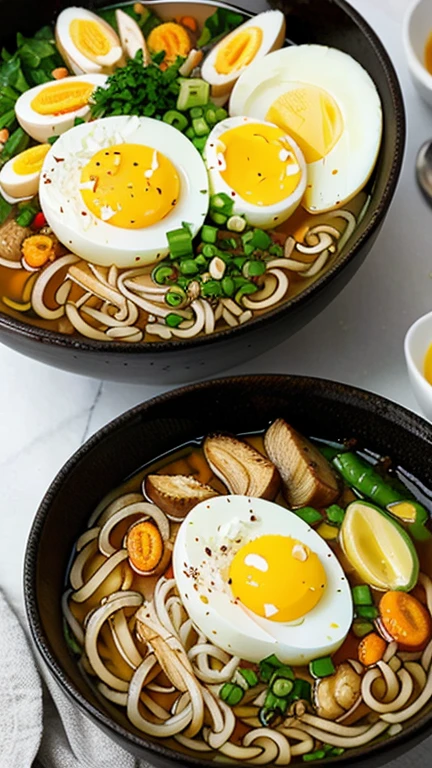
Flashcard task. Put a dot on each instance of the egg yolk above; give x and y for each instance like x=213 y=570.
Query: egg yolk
x=239 y=50
x=31 y=160
x=312 y=117
x=278 y=578
x=428 y=365
x=258 y=163
x=62 y=98
x=90 y=39
x=130 y=186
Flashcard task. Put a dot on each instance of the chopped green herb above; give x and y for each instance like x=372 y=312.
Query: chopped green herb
x=5 y=209
x=336 y=514
x=322 y=667
x=310 y=515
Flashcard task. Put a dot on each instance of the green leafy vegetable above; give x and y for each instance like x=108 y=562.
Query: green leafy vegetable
x=5 y=209
x=31 y=64
x=138 y=90
x=219 y=24
x=17 y=142
x=147 y=20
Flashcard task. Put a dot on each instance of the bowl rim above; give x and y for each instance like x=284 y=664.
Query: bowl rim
x=418 y=69
x=32 y=333
x=372 y=404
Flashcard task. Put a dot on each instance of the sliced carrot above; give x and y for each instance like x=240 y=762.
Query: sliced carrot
x=145 y=547
x=405 y=619
x=4 y=135
x=59 y=73
x=190 y=22
x=371 y=649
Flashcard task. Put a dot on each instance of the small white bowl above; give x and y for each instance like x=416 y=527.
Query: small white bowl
x=417 y=342
x=417 y=27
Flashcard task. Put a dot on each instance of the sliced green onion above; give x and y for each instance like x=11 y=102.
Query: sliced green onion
x=236 y=224
x=173 y=321
x=254 y=269
x=367 y=612
x=162 y=275
x=196 y=112
x=219 y=218
x=362 y=595
x=261 y=240
x=282 y=687
x=362 y=628
x=240 y=261
x=319 y=755
x=310 y=515
x=336 y=514
x=276 y=250
x=231 y=694
x=188 y=267
x=322 y=667
x=221 y=114
x=180 y=243
x=245 y=290
x=26 y=215
x=194 y=92
x=209 y=234
x=176 y=119
x=211 y=289
x=250 y=677
x=175 y=297
x=199 y=143
x=228 y=286
x=200 y=127
x=302 y=691
x=222 y=203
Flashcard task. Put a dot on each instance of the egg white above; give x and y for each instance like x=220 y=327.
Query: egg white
x=16 y=187
x=268 y=216
x=273 y=27
x=335 y=179
x=43 y=127
x=99 y=241
x=220 y=526
x=77 y=61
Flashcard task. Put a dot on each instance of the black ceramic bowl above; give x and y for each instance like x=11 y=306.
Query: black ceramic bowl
x=316 y=407
x=331 y=22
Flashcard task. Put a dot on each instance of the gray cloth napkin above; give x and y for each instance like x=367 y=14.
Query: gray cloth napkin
x=36 y=718
x=40 y=727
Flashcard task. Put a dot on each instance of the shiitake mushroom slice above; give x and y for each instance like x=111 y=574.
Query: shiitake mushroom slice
x=307 y=477
x=243 y=470
x=176 y=495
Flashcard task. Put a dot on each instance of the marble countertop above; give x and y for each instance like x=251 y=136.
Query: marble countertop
x=45 y=414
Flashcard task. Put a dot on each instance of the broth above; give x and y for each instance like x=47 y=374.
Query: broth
x=283 y=708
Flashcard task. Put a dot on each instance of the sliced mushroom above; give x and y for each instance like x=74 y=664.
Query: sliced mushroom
x=336 y=695
x=307 y=477
x=244 y=470
x=176 y=495
x=12 y=235
x=168 y=651
x=131 y=37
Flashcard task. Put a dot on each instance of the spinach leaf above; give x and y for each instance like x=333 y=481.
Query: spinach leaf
x=219 y=24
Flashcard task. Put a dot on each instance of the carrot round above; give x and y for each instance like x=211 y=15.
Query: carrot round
x=371 y=649
x=406 y=620
x=145 y=547
x=190 y=23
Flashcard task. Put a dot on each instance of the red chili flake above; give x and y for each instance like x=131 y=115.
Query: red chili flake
x=253 y=518
x=208 y=551
x=61 y=210
x=59 y=159
x=223 y=548
x=83 y=213
x=47 y=181
x=195 y=586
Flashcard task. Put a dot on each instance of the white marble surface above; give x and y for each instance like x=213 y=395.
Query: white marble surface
x=45 y=414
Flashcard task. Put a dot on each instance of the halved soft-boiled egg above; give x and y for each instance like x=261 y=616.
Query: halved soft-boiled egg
x=257 y=580
x=248 y=43
x=19 y=178
x=329 y=105
x=87 y=42
x=259 y=166
x=112 y=189
x=50 y=109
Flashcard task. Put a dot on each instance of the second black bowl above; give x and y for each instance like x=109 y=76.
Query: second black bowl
x=329 y=22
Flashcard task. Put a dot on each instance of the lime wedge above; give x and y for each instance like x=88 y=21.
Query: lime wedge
x=378 y=548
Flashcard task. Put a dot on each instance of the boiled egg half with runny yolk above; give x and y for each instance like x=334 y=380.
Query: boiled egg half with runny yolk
x=257 y=580
x=329 y=105
x=235 y=52
x=19 y=178
x=51 y=109
x=87 y=43
x=259 y=167
x=112 y=189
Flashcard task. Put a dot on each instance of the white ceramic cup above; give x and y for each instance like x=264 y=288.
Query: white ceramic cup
x=417 y=27
x=417 y=342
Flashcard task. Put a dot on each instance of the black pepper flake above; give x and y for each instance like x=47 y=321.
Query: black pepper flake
x=97 y=163
x=229 y=581
x=116 y=153
x=132 y=221
x=136 y=164
x=159 y=191
x=203 y=191
x=253 y=518
x=196 y=539
x=61 y=210
x=174 y=202
x=195 y=586
x=207 y=613
x=106 y=153
x=229 y=501
x=223 y=548
x=208 y=551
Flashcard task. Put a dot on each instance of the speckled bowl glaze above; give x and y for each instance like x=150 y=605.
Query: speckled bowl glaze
x=244 y=404
x=330 y=22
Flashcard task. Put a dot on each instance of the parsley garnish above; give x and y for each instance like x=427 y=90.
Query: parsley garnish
x=138 y=90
